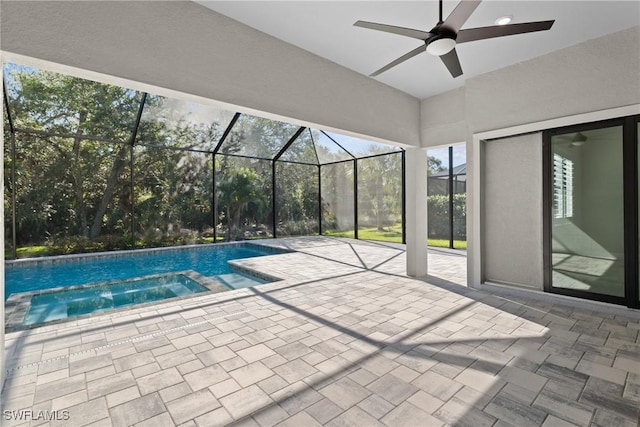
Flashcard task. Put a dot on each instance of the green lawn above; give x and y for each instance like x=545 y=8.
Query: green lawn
x=50 y=250
x=390 y=234
x=31 y=251
x=393 y=234
x=444 y=243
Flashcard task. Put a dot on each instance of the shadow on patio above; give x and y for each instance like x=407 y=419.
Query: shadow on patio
x=364 y=344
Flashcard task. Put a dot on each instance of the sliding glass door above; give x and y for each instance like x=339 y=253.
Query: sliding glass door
x=591 y=211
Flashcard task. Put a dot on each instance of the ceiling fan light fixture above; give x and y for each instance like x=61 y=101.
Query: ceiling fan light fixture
x=504 y=20
x=441 y=46
x=578 y=139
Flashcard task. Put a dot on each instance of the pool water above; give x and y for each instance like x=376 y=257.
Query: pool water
x=63 y=304
x=207 y=260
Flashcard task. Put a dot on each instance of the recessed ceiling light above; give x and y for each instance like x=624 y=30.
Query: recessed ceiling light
x=504 y=20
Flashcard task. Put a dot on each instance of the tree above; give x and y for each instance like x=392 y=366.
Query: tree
x=238 y=188
x=434 y=166
x=74 y=109
x=73 y=165
x=380 y=189
x=297 y=198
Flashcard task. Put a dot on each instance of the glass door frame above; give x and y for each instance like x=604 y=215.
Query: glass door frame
x=630 y=149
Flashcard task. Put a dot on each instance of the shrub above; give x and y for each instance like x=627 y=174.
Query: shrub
x=438 y=215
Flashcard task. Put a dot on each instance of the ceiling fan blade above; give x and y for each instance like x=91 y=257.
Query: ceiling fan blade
x=481 y=33
x=460 y=14
x=452 y=63
x=407 y=32
x=400 y=60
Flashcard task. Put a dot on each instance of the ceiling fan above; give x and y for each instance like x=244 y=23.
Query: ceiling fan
x=441 y=40
x=578 y=139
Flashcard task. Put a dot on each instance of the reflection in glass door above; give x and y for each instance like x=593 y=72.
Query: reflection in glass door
x=587 y=212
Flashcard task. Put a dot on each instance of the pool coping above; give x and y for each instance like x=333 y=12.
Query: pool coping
x=128 y=252
x=236 y=266
x=18 y=304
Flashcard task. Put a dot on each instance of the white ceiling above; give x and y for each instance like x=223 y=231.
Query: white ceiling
x=326 y=29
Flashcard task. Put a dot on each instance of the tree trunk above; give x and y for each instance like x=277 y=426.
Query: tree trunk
x=236 y=222
x=116 y=170
x=78 y=181
x=379 y=203
x=228 y=217
x=80 y=208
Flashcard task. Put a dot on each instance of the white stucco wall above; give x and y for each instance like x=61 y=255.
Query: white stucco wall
x=594 y=80
x=590 y=76
x=512 y=211
x=183 y=46
x=443 y=119
x=595 y=75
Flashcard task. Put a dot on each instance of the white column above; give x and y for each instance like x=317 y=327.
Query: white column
x=416 y=205
x=474 y=212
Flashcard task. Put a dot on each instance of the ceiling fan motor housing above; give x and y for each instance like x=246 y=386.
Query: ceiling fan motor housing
x=442 y=43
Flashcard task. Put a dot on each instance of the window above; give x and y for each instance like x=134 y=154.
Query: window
x=562 y=187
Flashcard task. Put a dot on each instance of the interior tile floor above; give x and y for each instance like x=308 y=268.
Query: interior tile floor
x=347 y=339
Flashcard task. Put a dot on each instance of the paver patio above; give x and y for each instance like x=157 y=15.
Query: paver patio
x=347 y=339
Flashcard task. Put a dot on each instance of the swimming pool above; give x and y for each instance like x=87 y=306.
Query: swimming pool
x=47 y=273
x=67 y=303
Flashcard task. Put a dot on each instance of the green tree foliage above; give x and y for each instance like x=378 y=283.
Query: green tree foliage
x=242 y=197
x=434 y=166
x=438 y=212
x=258 y=137
x=173 y=191
x=297 y=199
x=81 y=185
x=338 y=197
x=74 y=109
x=71 y=186
x=380 y=191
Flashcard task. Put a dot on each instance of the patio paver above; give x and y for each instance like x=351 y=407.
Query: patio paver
x=345 y=339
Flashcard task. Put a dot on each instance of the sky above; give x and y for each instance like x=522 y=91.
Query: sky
x=442 y=153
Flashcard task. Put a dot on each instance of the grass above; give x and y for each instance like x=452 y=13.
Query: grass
x=389 y=234
x=444 y=243
x=393 y=234
x=51 y=250
x=32 y=251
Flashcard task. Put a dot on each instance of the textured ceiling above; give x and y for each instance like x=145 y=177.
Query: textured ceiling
x=326 y=29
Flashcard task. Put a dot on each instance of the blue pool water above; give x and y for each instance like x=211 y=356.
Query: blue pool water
x=75 y=302
x=208 y=261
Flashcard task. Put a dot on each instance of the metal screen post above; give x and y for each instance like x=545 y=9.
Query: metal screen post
x=132 y=143
x=133 y=197
x=214 y=200
x=273 y=172
x=355 y=198
x=12 y=129
x=133 y=200
x=451 y=197
x=273 y=197
x=404 y=200
x=319 y=201
x=13 y=195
